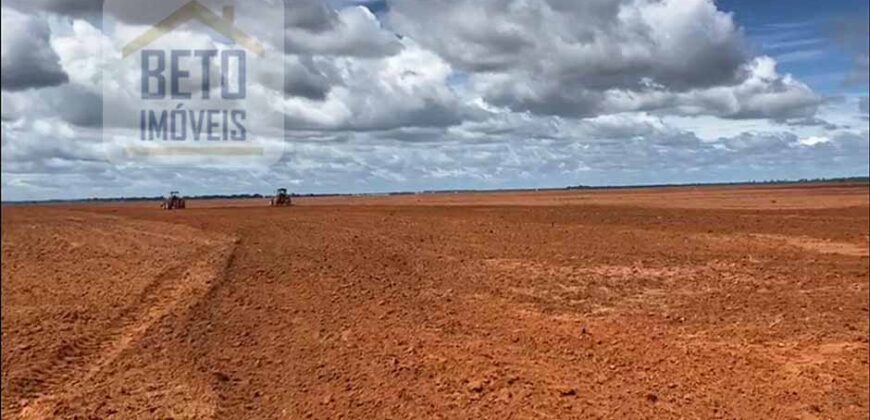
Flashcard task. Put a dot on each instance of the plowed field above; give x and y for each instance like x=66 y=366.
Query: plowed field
x=657 y=303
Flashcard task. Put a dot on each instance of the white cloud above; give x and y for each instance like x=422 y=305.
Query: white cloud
x=28 y=60
x=353 y=31
x=590 y=58
x=466 y=94
x=406 y=89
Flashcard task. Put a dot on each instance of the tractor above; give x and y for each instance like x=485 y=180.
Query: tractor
x=174 y=201
x=281 y=198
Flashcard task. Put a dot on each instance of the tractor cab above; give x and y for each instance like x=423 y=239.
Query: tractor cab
x=281 y=198
x=173 y=201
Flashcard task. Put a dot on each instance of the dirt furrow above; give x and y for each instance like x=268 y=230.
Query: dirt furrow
x=441 y=311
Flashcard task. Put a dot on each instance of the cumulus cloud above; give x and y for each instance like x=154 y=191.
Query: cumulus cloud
x=492 y=153
x=607 y=44
x=762 y=93
x=406 y=89
x=431 y=94
x=588 y=58
x=302 y=77
x=353 y=31
x=28 y=60
x=75 y=8
x=309 y=15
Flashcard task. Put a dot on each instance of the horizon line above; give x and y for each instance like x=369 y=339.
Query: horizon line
x=578 y=187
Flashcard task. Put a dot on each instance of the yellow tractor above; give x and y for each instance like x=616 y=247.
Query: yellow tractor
x=281 y=198
x=172 y=202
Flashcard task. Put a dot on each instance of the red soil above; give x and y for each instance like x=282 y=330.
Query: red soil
x=673 y=303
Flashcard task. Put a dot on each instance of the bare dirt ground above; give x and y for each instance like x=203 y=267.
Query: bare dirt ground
x=669 y=303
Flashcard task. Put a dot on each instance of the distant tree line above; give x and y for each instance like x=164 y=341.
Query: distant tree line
x=160 y=197
x=853 y=179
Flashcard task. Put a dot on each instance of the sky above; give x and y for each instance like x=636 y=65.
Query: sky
x=419 y=95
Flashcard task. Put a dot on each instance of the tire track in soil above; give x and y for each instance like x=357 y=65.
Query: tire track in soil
x=380 y=313
x=77 y=366
x=68 y=359
x=336 y=313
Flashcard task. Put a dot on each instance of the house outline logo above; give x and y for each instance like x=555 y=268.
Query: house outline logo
x=190 y=102
x=194 y=10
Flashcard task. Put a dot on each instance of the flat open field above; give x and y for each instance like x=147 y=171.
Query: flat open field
x=658 y=303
